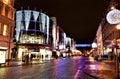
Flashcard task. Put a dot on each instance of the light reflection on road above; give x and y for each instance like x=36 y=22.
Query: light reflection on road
x=64 y=68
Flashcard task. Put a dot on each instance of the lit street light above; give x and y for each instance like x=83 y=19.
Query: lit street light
x=117 y=53
x=113 y=17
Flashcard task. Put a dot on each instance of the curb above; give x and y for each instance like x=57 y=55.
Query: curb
x=90 y=75
x=22 y=64
x=84 y=71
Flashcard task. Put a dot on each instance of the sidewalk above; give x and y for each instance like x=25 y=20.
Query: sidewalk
x=21 y=63
x=103 y=74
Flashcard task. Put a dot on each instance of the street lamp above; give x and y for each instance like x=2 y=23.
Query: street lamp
x=113 y=17
x=117 y=54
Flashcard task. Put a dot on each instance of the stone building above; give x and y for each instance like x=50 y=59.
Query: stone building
x=6 y=29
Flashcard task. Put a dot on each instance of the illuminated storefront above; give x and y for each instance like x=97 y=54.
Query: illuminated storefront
x=33 y=34
x=2 y=55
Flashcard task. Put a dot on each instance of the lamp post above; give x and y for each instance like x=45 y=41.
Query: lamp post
x=117 y=53
x=113 y=17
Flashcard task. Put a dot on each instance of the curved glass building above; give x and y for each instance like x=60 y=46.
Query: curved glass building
x=32 y=33
x=32 y=27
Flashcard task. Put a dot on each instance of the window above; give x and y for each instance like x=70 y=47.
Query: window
x=1 y=28
x=5 y=30
x=1 y=7
x=6 y=11
x=11 y=2
x=10 y=31
x=12 y=15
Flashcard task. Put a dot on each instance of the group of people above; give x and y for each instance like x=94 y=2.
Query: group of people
x=25 y=58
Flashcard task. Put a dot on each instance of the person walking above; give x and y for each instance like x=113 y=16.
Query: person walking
x=27 y=58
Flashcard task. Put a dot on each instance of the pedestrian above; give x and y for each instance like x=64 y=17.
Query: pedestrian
x=31 y=57
x=111 y=55
x=13 y=54
x=27 y=58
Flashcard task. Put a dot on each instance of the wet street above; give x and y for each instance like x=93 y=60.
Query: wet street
x=63 y=68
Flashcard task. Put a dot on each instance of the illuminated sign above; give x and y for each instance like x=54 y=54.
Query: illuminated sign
x=113 y=16
x=83 y=45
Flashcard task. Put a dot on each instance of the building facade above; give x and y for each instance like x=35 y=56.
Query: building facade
x=109 y=32
x=99 y=41
x=33 y=34
x=7 y=12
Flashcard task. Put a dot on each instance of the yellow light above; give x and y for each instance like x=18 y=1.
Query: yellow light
x=112 y=7
x=5 y=30
x=118 y=27
x=91 y=59
x=6 y=1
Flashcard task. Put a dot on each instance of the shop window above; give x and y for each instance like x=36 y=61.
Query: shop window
x=2 y=56
x=5 y=30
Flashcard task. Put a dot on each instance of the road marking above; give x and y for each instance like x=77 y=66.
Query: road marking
x=76 y=75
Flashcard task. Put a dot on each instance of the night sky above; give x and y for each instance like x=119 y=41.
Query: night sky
x=78 y=18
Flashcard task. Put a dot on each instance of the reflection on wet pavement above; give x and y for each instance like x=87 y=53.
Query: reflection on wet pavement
x=66 y=68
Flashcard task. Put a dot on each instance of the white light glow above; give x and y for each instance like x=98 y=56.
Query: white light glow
x=27 y=18
x=17 y=35
x=19 y=16
x=43 y=22
x=2 y=56
x=94 y=45
x=113 y=16
x=35 y=15
x=47 y=28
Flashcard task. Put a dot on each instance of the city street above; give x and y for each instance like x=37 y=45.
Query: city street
x=62 y=68
x=59 y=39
